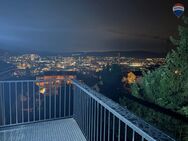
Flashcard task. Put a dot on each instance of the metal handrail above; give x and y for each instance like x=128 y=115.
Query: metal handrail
x=13 y=111
x=92 y=111
x=147 y=131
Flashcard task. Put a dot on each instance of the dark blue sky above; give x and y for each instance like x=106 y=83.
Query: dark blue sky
x=85 y=25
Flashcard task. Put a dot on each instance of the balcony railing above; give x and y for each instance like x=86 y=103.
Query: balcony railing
x=99 y=118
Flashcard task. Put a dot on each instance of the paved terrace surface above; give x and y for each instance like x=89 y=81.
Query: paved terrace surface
x=56 y=130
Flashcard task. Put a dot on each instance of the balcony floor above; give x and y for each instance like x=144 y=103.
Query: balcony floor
x=57 y=130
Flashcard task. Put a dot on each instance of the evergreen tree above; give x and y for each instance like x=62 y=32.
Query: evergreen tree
x=110 y=81
x=168 y=85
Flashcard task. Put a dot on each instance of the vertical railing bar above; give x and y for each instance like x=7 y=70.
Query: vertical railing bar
x=104 y=123
x=22 y=103
x=55 y=104
x=108 y=125
x=77 y=97
x=101 y=123
x=69 y=97
x=16 y=93
x=85 y=114
x=94 y=120
x=50 y=100
x=81 y=111
x=60 y=99
x=45 y=100
x=74 y=103
x=39 y=103
x=78 y=102
x=78 y=112
x=65 y=91
x=119 y=130
x=4 y=110
x=28 y=119
x=133 y=135
x=113 y=134
x=79 y=116
x=83 y=107
x=142 y=138
x=85 y=121
x=87 y=109
x=97 y=121
x=82 y=114
x=2 y=105
x=34 y=101
x=125 y=132
x=10 y=103
x=89 y=122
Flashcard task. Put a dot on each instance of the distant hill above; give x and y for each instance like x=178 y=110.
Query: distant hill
x=136 y=54
x=4 y=52
x=4 y=66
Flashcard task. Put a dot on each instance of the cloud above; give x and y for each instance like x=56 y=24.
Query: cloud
x=141 y=36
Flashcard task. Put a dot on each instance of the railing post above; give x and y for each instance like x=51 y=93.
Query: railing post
x=55 y=104
x=28 y=118
x=125 y=133
x=33 y=101
x=1 y=105
x=65 y=93
x=119 y=130
x=69 y=95
x=108 y=125
x=89 y=118
x=16 y=100
x=22 y=101
x=104 y=124
x=97 y=121
x=113 y=128
x=50 y=100
x=10 y=102
x=45 y=102
x=60 y=98
x=92 y=119
x=39 y=103
x=101 y=109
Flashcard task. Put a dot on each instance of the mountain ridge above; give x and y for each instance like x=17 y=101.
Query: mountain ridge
x=136 y=53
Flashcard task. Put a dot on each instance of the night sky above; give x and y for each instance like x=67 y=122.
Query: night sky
x=85 y=25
